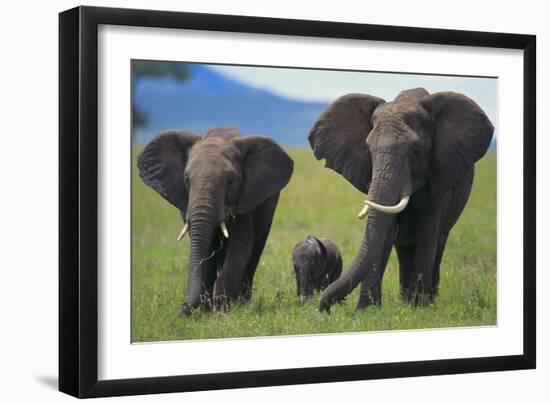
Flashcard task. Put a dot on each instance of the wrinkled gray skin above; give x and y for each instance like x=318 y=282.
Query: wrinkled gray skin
x=316 y=264
x=420 y=145
x=223 y=177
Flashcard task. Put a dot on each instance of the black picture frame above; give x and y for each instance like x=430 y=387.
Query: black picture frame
x=78 y=178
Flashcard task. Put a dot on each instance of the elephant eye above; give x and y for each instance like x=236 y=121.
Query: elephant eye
x=186 y=179
x=416 y=151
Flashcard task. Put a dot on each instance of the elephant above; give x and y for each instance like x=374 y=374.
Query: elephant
x=316 y=263
x=414 y=159
x=226 y=187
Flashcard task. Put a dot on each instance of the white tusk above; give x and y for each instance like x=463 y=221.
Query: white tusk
x=183 y=231
x=390 y=209
x=224 y=230
x=364 y=211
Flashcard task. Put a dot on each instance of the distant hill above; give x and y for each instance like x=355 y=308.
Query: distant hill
x=210 y=99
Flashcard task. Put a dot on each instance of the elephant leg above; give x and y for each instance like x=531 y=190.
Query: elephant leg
x=453 y=203
x=373 y=296
x=425 y=257
x=435 y=277
x=262 y=218
x=212 y=267
x=405 y=255
x=405 y=244
x=227 y=287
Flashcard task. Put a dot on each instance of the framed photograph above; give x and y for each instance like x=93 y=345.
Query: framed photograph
x=251 y=201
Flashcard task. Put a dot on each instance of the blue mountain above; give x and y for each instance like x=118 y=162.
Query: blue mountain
x=209 y=99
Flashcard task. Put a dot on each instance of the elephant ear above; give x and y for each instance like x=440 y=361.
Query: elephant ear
x=324 y=256
x=461 y=136
x=321 y=246
x=339 y=136
x=266 y=170
x=162 y=163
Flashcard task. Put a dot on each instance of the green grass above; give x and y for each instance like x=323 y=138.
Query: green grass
x=320 y=202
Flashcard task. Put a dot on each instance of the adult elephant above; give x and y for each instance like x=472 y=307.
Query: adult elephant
x=414 y=157
x=226 y=187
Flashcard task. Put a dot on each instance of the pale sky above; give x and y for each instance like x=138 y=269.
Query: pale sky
x=326 y=85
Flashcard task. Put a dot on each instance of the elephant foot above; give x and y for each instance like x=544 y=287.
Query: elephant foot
x=420 y=293
x=370 y=297
x=185 y=310
x=365 y=303
x=246 y=295
x=206 y=302
x=361 y=306
x=418 y=299
x=221 y=303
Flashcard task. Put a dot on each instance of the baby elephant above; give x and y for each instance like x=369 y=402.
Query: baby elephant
x=317 y=263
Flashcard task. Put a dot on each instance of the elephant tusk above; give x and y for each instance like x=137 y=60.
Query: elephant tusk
x=183 y=231
x=364 y=211
x=389 y=209
x=224 y=230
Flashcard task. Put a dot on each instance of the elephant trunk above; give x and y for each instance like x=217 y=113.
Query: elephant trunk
x=201 y=232
x=387 y=188
x=382 y=228
x=369 y=263
x=205 y=214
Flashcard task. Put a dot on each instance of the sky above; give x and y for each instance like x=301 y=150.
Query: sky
x=327 y=85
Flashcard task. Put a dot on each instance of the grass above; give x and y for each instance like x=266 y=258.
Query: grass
x=320 y=202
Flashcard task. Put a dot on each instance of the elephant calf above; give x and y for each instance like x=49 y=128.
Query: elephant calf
x=226 y=187
x=317 y=263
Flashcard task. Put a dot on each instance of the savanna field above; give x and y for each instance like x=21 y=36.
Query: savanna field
x=317 y=201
